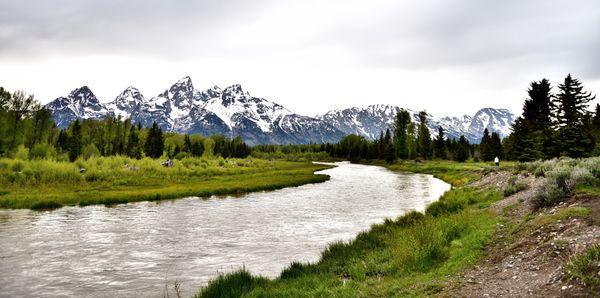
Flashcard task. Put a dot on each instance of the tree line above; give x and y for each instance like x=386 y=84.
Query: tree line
x=554 y=125
x=28 y=131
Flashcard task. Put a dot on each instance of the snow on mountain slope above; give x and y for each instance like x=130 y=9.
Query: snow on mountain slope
x=81 y=103
x=181 y=108
x=234 y=112
x=372 y=120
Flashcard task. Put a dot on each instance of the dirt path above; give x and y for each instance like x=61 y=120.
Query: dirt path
x=527 y=255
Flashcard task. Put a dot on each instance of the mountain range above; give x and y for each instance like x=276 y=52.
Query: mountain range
x=233 y=111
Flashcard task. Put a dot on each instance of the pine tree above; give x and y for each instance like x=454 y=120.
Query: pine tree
x=462 y=150
x=187 y=144
x=496 y=145
x=155 y=144
x=401 y=124
x=596 y=119
x=440 y=145
x=423 y=137
x=485 y=147
x=571 y=108
x=62 y=142
x=133 y=149
x=75 y=142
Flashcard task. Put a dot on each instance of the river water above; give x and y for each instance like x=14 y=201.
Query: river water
x=134 y=250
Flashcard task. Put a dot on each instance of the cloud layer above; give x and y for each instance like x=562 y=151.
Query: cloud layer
x=308 y=55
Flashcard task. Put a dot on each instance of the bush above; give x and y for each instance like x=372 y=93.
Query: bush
x=89 y=151
x=42 y=151
x=548 y=194
x=22 y=153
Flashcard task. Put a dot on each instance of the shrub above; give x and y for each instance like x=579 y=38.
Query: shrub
x=42 y=151
x=512 y=189
x=584 y=267
x=89 y=151
x=548 y=194
x=22 y=153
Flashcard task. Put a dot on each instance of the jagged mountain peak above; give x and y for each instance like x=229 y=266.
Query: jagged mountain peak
x=84 y=96
x=371 y=120
x=233 y=111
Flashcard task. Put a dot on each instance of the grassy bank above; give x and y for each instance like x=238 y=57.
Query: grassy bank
x=41 y=184
x=411 y=255
x=455 y=173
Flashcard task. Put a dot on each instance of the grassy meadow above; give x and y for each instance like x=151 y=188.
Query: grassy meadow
x=411 y=255
x=417 y=254
x=44 y=184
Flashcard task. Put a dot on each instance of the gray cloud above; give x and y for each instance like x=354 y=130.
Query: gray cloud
x=503 y=44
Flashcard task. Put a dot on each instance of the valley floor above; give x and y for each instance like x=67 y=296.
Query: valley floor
x=483 y=238
x=41 y=184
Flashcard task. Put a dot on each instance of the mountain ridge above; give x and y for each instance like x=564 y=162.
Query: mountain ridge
x=232 y=111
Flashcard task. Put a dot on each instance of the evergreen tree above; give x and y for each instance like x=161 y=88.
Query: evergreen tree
x=75 y=142
x=133 y=148
x=485 y=147
x=187 y=144
x=596 y=119
x=197 y=148
x=155 y=144
x=62 y=142
x=496 y=145
x=423 y=137
x=571 y=108
x=401 y=124
x=411 y=141
x=462 y=150
x=440 y=145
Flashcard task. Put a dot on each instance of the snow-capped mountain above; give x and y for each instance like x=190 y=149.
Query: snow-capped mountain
x=181 y=108
x=81 y=103
x=374 y=119
x=234 y=112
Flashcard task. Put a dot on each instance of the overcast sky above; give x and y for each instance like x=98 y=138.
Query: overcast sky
x=448 y=56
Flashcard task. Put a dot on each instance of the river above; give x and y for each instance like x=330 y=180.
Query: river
x=136 y=249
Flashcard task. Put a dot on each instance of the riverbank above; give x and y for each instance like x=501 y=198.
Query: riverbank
x=436 y=253
x=42 y=184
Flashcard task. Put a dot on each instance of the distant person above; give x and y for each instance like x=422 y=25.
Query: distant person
x=497 y=161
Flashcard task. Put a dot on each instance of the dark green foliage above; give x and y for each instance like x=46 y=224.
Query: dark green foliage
x=232 y=285
x=155 y=142
x=133 y=148
x=553 y=127
x=46 y=205
x=401 y=127
x=571 y=105
x=75 y=141
x=423 y=137
x=439 y=145
x=485 y=146
x=62 y=142
x=462 y=150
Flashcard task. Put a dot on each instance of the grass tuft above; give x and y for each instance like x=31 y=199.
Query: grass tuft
x=585 y=267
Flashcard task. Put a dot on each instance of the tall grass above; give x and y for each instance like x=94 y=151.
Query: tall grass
x=407 y=256
x=42 y=184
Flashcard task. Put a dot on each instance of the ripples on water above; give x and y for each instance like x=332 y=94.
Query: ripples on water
x=132 y=249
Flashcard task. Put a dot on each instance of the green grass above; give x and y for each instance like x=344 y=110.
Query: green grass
x=410 y=256
x=455 y=173
x=42 y=184
x=584 y=267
